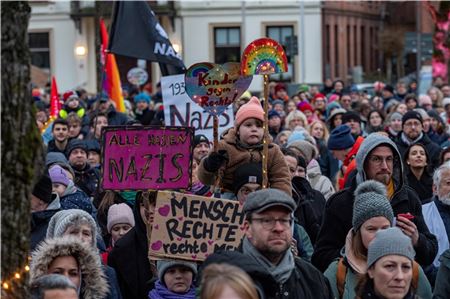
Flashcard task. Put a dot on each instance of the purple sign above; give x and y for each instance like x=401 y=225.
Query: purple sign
x=143 y=158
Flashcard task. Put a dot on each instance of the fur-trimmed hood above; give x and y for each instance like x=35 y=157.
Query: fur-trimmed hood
x=93 y=281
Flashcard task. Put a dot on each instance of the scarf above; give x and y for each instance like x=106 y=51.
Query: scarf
x=161 y=292
x=357 y=264
x=242 y=145
x=280 y=272
x=406 y=140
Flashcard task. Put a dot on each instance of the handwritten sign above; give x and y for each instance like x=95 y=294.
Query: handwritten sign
x=143 y=158
x=192 y=227
x=179 y=110
x=214 y=86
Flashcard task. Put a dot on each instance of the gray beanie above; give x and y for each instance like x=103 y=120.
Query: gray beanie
x=370 y=201
x=163 y=265
x=389 y=241
x=63 y=219
x=55 y=157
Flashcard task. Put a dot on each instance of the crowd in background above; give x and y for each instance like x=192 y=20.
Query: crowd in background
x=347 y=163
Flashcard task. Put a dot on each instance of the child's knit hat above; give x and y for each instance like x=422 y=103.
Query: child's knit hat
x=252 y=109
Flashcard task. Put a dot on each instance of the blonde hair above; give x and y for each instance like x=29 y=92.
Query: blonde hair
x=294 y=115
x=216 y=276
x=326 y=133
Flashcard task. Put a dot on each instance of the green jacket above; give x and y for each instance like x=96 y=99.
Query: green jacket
x=423 y=289
x=442 y=285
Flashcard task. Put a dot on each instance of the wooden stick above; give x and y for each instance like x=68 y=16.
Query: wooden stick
x=215 y=132
x=265 y=155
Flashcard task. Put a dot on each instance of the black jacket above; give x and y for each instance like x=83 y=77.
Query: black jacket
x=129 y=258
x=423 y=187
x=433 y=150
x=51 y=147
x=145 y=117
x=87 y=179
x=305 y=281
x=338 y=215
x=310 y=206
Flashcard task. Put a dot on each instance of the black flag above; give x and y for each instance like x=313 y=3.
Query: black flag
x=135 y=32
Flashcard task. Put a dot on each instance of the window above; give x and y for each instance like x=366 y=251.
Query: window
x=280 y=34
x=227 y=44
x=40 y=49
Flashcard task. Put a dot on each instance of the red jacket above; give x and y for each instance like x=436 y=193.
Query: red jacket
x=350 y=161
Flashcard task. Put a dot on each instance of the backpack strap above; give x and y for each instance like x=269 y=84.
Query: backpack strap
x=415 y=276
x=341 y=273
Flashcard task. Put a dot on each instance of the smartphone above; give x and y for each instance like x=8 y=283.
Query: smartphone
x=408 y=216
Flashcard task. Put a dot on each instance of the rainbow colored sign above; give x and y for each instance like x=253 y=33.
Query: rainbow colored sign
x=263 y=56
x=144 y=158
x=214 y=87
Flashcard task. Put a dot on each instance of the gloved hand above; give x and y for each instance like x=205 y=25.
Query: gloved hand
x=215 y=160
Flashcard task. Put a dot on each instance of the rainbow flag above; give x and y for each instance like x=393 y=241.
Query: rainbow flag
x=111 y=79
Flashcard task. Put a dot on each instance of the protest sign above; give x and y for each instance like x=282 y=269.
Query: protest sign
x=192 y=227
x=179 y=110
x=143 y=158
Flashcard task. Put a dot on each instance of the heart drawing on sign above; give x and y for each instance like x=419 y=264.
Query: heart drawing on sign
x=210 y=242
x=179 y=239
x=214 y=86
x=194 y=257
x=156 y=226
x=156 y=245
x=164 y=210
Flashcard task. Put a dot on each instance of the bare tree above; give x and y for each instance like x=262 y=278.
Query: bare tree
x=21 y=148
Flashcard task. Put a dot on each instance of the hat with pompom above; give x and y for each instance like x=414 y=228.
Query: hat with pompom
x=252 y=109
x=371 y=201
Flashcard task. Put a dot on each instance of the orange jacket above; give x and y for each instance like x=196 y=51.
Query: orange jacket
x=350 y=161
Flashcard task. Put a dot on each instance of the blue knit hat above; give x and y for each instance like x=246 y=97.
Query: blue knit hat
x=273 y=113
x=341 y=138
x=142 y=97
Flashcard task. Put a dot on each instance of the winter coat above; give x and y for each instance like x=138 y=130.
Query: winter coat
x=87 y=179
x=310 y=206
x=51 y=147
x=423 y=187
x=40 y=220
x=278 y=171
x=433 y=150
x=442 y=285
x=129 y=258
x=145 y=117
x=352 y=277
x=339 y=211
x=329 y=166
x=74 y=198
x=93 y=280
x=116 y=118
x=444 y=211
x=318 y=181
x=305 y=281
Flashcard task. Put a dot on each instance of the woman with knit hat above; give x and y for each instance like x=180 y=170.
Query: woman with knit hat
x=390 y=264
x=372 y=212
x=243 y=144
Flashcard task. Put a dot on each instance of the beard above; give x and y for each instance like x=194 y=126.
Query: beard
x=445 y=199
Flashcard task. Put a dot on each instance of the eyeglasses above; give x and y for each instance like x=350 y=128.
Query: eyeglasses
x=378 y=160
x=269 y=223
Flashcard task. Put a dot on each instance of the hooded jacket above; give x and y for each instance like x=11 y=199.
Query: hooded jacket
x=442 y=285
x=129 y=258
x=339 y=210
x=318 y=181
x=40 y=221
x=278 y=171
x=93 y=282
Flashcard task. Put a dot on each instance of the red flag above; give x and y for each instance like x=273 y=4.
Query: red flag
x=55 y=104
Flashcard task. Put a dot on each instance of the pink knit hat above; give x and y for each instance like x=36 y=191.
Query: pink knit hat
x=119 y=213
x=252 y=109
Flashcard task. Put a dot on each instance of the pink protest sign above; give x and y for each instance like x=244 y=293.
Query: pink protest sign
x=143 y=158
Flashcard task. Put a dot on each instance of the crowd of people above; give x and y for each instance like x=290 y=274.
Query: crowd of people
x=357 y=204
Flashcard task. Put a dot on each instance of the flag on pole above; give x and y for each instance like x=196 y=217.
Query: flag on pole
x=111 y=79
x=55 y=104
x=136 y=32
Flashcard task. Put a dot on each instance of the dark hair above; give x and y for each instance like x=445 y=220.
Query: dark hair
x=60 y=121
x=408 y=150
x=411 y=96
x=380 y=113
x=95 y=116
x=443 y=152
x=49 y=282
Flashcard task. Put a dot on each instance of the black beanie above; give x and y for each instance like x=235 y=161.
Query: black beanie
x=351 y=115
x=43 y=189
x=247 y=173
x=412 y=114
x=74 y=144
x=301 y=162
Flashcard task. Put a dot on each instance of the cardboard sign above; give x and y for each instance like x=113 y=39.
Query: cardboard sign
x=143 y=158
x=191 y=227
x=179 y=110
x=214 y=86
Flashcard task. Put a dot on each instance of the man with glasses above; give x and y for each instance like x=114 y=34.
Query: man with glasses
x=377 y=159
x=267 y=242
x=412 y=133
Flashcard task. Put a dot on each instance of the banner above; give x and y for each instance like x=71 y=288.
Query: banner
x=192 y=227
x=149 y=157
x=180 y=110
x=136 y=32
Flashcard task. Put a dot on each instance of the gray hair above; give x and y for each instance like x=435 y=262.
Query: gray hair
x=437 y=176
x=49 y=282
